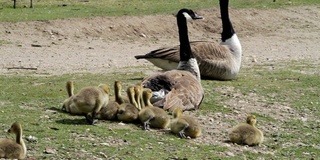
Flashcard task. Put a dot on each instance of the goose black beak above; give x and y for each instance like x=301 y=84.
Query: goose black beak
x=198 y=17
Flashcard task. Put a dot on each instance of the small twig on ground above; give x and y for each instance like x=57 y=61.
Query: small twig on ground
x=26 y=68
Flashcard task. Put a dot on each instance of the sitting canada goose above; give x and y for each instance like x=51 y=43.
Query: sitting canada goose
x=128 y=112
x=185 y=125
x=10 y=149
x=152 y=116
x=181 y=86
x=89 y=100
x=216 y=61
x=246 y=133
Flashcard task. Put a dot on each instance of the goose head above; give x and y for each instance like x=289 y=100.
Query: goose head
x=188 y=14
x=187 y=60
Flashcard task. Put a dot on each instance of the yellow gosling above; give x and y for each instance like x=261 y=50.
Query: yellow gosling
x=151 y=116
x=246 y=133
x=10 y=149
x=185 y=126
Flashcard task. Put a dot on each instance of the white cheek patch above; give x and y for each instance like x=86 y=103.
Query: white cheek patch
x=188 y=17
x=233 y=43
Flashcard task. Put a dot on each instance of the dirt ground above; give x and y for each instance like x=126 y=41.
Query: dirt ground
x=104 y=44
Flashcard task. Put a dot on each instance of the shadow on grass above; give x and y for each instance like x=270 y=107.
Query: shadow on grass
x=136 y=79
x=82 y=121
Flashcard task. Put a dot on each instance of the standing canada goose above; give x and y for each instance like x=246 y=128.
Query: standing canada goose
x=246 y=133
x=216 y=61
x=152 y=116
x=185 y=125
x=10 y=149
x=181 y=86
x=88 y=100
x=128 y=112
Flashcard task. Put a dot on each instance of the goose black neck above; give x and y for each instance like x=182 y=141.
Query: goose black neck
x=227 y=29
x=185 y=49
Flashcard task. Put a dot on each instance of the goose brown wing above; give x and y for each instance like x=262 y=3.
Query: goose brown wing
x=169 y=53
x=185 y=90
x=187 y=93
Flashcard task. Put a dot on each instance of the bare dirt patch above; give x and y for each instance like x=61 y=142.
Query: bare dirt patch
x=105 y=44
x=102 y=44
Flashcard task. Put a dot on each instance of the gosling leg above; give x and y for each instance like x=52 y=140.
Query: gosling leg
x=146 y=124
x=91 y=118
x=181 y=133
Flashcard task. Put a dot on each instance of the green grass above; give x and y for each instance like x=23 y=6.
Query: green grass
x=35 y=101
x=48 y=9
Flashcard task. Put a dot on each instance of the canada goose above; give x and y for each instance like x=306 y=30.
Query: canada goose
x=246 y=133
x=216 y=61
x=184 y=125
x=10 y=149
x=152 y=116
x=128 y=112
x=181 y=86
x=88 y=100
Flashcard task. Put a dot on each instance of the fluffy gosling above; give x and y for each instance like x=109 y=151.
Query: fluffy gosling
x=10 y=149
x=185 y=125
x=151 y=116
x=246 y=133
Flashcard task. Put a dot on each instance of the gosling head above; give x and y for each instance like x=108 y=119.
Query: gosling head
x=177 y=112
x=251 y=119
x=15 y=127
x=105 y=87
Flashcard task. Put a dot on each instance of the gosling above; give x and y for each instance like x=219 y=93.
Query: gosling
x=128 y=112
x=10 y=149
x=117 y=92
x=108 y=112
x=90 y=100
x=246 y=133
x=151 y=116
x=67 y=107
x=185 y=126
